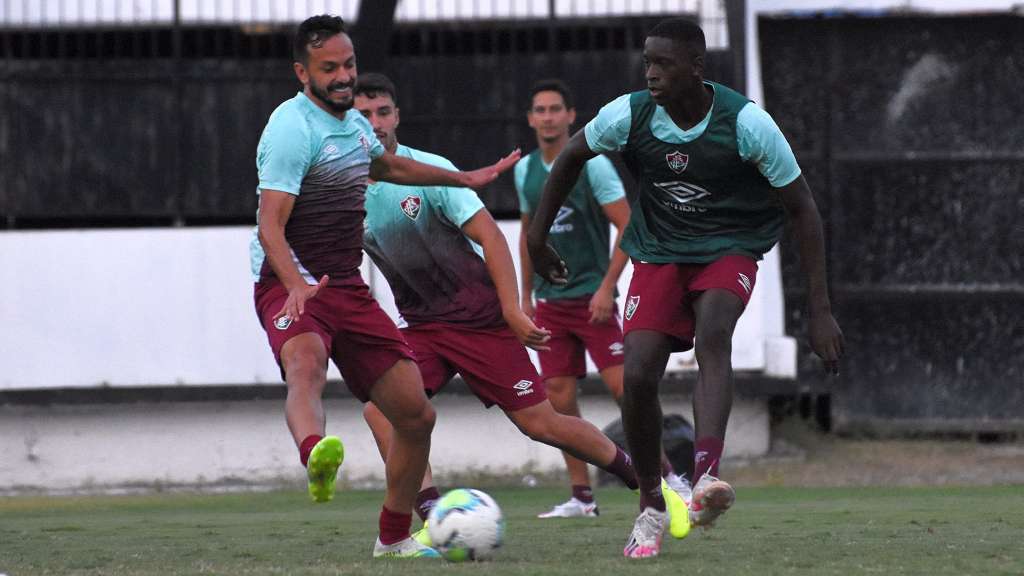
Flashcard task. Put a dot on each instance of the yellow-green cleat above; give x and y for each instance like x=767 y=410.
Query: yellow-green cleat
x=423 y=536
x=678 y=512
x=322 y=468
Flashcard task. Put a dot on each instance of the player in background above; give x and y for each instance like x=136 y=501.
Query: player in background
x=581 y=314
x=454 y=282
x=717 y=181
x=314 y=158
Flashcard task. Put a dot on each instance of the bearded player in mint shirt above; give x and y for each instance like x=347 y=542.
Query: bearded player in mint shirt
x=451 y=272
x=314 y=158
x=717 y=181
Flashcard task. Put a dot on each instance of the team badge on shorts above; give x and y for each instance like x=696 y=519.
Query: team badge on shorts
x=283 y=322
x=631 y=305
x=677 y=161
x=411 y=206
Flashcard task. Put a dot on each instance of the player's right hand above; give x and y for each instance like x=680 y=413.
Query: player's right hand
x=549 y=265
x=295 y=305
x=826 y=340
x=527 y=332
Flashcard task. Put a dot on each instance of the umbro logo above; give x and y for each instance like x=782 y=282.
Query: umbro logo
x=616 y=348
x=523 y=387
x=744 y=281
x=682 y=192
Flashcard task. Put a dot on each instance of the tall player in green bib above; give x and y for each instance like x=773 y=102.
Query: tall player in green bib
x=454 y=282
x=581 y=314
x=717 y=181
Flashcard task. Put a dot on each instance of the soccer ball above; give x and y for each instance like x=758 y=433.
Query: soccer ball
x=466 y=525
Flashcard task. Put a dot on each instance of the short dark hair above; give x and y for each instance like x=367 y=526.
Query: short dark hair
x=684 y=32
x=551 y=85
x=374 y=84
x=313 y=32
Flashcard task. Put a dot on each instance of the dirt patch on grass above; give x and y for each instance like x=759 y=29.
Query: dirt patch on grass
x=804 y=456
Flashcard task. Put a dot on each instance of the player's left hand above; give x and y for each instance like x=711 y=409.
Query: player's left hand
x=483 y=176
x=826 y=340
x=528 y=333
x=549 y=265
x=602 y=305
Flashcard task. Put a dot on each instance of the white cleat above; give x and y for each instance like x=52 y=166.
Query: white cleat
x=711 y=498
x=573 y=508
x=408 y=548
x=680 y=485
x=645 y=541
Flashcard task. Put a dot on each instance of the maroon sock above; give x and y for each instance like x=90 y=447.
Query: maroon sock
x=650 y=493
x=307 y=446
x=706 y=454
x=394 y=527
x=622 y=466
x=425 y=500
x=583 y=493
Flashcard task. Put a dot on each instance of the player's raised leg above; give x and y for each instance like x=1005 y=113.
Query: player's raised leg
x=562 y=394
x=399 y=396
x=716 y=312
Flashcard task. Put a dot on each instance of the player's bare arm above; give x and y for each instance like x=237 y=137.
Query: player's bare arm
x=564 y=172
x=275 y=209
x=602 y=303
x=398 y=170
x=482 y=229
x=825 y=335
x=525 y=267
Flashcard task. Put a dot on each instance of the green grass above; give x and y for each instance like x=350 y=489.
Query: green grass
x=954 y=531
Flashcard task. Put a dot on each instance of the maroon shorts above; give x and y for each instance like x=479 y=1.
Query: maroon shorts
x=492 y=361
x=361 y=339
x=572 y=335
x=661 y=295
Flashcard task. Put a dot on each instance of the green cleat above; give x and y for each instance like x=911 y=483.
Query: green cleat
x=423 y=536
x=678 y=512
x=407 y=548
x=322 y=468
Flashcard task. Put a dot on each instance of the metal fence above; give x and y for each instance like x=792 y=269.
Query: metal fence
x=908 y=130
x=126 y=120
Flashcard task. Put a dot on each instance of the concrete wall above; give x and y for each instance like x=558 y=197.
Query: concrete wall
x=211 y=445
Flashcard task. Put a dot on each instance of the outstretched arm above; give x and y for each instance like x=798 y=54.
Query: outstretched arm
x=826 y=337
x=482 y=229
x=564 y=173
x=399 y=170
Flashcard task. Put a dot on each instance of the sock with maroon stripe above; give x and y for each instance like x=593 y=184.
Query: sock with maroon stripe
x=650 y=493
x=582 y=493
x=307 y=446
x=425 y=500
x=394 y=527
x=706 y=453
x=622 y=467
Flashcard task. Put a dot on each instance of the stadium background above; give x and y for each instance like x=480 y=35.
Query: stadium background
x=906 y=123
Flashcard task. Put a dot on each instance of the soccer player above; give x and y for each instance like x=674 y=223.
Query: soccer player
x=717 y=181
x=454 y=283
x=313 y=161
x=581 y=313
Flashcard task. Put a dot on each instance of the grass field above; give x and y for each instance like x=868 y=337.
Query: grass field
x=957 y=531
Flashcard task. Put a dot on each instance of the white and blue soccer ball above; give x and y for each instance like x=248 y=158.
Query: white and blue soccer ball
x=466 y=524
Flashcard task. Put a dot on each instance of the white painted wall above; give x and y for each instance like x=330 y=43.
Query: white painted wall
x=159 y=307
